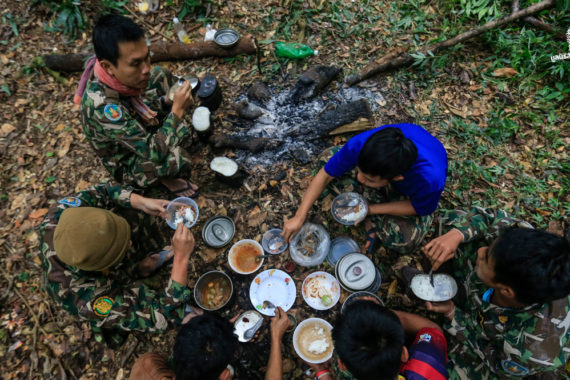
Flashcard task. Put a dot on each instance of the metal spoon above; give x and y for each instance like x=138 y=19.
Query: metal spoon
x=351 y=203
x=267 y=305
x=258 y=258
x=431 y=278
x=249 y=333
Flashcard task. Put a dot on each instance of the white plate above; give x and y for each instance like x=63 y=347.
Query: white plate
x=275 y=286
x=318 y=284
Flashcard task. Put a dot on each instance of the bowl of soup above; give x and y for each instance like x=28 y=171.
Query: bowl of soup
x=312 y=340
x=244 y=256
x=213 y=290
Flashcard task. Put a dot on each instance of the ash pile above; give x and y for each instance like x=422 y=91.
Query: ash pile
x=293 y=124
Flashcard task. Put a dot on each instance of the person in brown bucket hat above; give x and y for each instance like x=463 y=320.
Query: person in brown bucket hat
x=98 y=244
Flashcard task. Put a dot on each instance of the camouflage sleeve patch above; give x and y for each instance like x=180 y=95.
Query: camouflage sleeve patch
x=113 y=112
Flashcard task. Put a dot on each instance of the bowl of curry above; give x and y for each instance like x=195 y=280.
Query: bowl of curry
x=244 y=256
x=213 y=290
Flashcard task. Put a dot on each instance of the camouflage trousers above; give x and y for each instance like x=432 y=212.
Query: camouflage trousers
x=402 y=234
x=177 y=164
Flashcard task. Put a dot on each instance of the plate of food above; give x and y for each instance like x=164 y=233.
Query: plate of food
x=246 y=321
x=443 y=289
x=182 y=210
x=321 y=290
x=349 y=208
x=270 y=289
x=312 y=340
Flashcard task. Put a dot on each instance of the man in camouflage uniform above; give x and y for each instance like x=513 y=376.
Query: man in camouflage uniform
x=402 y=170
x=134 y=127
x=497 y=335
x=109 y=296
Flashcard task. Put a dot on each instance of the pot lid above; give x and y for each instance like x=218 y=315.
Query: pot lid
x=218 y=231
x=356 y=271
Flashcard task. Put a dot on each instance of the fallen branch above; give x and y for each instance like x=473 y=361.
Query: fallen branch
x=160 y=51
x=400 y=58
x=538 y=23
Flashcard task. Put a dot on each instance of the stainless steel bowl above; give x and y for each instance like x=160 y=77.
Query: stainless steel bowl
x=203 y=282
x=226 y=38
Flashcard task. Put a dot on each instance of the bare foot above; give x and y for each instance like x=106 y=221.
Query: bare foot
x=150 y=264
x=179 y=186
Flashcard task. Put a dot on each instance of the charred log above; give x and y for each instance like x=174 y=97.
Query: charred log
x=259 y=91
x=341 y=118
x=248 y=110
x=313 y=81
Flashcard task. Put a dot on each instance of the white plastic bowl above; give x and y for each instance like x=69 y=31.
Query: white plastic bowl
x=234 y=249
x=325 y=324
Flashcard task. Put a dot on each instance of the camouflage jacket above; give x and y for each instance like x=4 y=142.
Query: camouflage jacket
x=112 y=300
x=510 y=342
x=134 y=153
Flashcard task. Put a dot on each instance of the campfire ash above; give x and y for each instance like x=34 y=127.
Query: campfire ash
x=291 y=127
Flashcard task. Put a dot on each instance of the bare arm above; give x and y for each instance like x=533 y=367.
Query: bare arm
x=279 y=324
x=400 y=208
x=316 y=187
x=413 y=323
x=183 y=244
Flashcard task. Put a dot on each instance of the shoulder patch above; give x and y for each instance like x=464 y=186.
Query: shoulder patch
x=113 y=112
x=102 y=306
x=513 y=368
x=424 y=338
x=70 y=201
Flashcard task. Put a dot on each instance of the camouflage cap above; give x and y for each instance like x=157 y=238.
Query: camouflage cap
x=91 y=239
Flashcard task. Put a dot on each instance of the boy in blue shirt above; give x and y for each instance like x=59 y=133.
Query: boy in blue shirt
x=405 y=168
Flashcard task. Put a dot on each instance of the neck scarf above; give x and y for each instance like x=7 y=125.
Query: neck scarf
x=93 y=65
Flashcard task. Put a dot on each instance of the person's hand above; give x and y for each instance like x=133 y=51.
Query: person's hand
x=446 y=308
x=151 y=206
x=183 y=241
x=443 y=248
x=279 y=324
x=182 y=99
x=291 y=227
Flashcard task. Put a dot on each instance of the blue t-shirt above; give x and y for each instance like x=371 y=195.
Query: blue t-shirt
x=423 y=182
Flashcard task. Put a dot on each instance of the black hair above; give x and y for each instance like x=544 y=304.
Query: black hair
x=387 y=153
x=111 y=29
x=369 y=340
x=204 y=347
x=534 y=263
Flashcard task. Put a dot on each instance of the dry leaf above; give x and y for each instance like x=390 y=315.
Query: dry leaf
x=37 y=214
x=392 y=288
x=506 y=72
x=6 y=129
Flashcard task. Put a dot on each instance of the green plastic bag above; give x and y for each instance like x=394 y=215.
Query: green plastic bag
x=293 y=50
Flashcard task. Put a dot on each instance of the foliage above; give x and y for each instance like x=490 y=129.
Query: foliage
x=195 y=8
x=69 y=16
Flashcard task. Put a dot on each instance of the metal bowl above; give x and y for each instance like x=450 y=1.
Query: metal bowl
x=356 y=296
x=175 y=204
x=226 y=38
x=273 y=242
x=205 y=280
x=444 y=287
x=348 y=215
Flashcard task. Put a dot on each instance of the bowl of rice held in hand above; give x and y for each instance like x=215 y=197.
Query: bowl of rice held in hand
x=182 y=210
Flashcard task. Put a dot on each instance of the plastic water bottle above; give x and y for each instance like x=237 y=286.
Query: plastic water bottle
x=180 y=32
x=293 y=50
x=210 y=33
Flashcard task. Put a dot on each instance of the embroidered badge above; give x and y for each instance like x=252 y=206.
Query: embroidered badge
x=513 y=368
x=113 y=112
x=102 y=306
x=503 y=319
x=424 y=338
x=70 y=201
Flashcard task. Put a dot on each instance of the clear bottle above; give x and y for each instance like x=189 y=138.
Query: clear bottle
x=179 y=29
x=146 y=6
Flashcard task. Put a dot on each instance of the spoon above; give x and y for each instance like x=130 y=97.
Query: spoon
x=258 y=258
x=431 y=278
x=351 y=203
x=267 y=305
x=249 y=333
